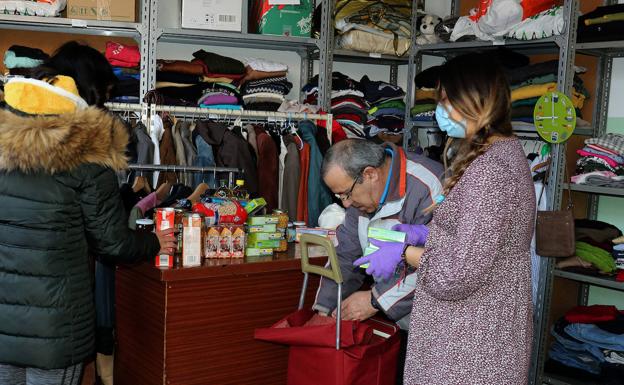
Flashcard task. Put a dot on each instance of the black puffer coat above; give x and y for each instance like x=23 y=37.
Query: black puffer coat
x=59 y=203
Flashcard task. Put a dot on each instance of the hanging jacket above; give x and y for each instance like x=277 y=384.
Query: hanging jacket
x=267 y=168
x=292 y=172
x=230 y=150
x=167 y=153
x=319 y=196
x=60 y=204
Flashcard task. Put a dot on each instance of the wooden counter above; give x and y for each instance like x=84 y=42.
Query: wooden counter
x=195 y=325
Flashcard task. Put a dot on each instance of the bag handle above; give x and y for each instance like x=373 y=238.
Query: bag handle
x=565 y=176
x=333 y=272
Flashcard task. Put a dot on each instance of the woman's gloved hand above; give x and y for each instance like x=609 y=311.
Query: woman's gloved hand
x=416 y=235
x=383 y=262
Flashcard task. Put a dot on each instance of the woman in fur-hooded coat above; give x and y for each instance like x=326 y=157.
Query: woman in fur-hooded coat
x=59 y=203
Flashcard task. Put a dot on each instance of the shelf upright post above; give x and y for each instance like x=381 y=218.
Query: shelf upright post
x=144 y=32
x=154 y=34
x=394 y=74
x=326 y=55
x=307 y=69
x=565 y=76
x=414 y=66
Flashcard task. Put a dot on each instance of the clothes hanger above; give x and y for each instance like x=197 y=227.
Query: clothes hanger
x=139 y=184
x=199 y=191
x=163 y=191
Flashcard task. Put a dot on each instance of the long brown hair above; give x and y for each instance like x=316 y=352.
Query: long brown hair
x=476 y=86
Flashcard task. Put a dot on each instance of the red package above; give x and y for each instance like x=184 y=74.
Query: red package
x=533 y=7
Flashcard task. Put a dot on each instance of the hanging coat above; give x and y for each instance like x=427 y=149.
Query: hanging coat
x=319 y=196
x=230 y=150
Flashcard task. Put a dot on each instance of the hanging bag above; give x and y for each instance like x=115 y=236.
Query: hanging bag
x=326 y=351
x=554 y=230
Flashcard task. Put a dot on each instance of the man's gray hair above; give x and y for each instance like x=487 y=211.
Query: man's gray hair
x=353 y=156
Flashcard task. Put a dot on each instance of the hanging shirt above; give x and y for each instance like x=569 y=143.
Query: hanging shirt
x=156 y=133
x=282 y=166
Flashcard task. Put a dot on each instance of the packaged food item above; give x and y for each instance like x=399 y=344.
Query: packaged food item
x=282 y=247
x=290 y=233
x=255 y=252
x=225 y=243
x=164 y=219
x=255 y=205
x=267 y=244
x=309 y=230
x=238 y=242
x=253 y=237
x=262 y=229
x=381 y=235
x=263 y=220
x=211 y=242
x=192 y=225
x=282 y=219
x=145 y=225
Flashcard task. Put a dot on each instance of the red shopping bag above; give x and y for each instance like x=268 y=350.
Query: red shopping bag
x=368 y=351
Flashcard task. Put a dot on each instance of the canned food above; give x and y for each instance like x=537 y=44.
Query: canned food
x=164 y=219
x=282 y=221
x=145 y=225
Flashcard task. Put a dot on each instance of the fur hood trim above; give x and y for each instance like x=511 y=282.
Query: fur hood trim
x=62 y=143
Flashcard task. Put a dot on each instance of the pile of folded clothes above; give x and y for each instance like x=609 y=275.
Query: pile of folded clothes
x=125 y=60
x=387 y=113
x=530 y=82
x=265 y=85
x=589 y=344
x=374 y=26
x=209 y=80
x=605 y=23
x=424 y=98
x=47 y=8
x=349 y=107
x=19 y=59
x=601 y=162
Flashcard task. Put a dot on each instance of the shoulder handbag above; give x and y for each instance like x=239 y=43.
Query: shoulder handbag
x=554 y=230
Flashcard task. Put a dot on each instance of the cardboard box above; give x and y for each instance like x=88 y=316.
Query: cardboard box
x=262 y=229
x=254 y=237
x=283 y=20
x=263 y=220
x=252 y=252
x=114 y=10
x=268 y=244
x=216 y=15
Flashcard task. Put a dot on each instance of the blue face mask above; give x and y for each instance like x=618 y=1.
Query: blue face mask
x=452 y=128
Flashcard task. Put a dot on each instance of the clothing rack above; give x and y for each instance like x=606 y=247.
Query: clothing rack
x=186 y=169
x=247 y=115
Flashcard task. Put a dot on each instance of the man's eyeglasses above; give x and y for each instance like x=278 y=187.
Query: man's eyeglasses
x=345 y=196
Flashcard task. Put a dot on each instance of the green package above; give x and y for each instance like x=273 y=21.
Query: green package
x=283 y=20
x=263 y=220
x=254 y=237
x=262 y=229
x=255 y=205
x=381 y=235
x=255 y=252
x=268 y=244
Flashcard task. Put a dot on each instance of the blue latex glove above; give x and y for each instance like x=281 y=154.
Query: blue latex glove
x=383 y=262
x=415 y=235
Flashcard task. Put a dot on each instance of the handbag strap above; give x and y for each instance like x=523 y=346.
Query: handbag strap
x=565 y=176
